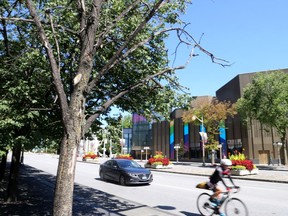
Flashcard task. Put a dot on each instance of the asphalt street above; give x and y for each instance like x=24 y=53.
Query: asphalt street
x=36 y=191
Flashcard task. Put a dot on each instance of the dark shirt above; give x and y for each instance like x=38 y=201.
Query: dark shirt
x=218 y=175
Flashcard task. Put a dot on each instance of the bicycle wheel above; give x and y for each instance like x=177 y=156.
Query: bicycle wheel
x=235 y=206
x=204 y=205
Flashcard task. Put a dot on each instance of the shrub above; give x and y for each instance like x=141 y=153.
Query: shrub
x=239 y=161
x=238 y=167
x=159 y=159
x=90 y=155
x=124 y=156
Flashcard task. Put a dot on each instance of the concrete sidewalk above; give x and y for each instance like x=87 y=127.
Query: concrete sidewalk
x=264 y=174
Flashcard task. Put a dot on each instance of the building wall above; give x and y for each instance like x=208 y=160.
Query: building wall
x=160 y=137
x=253 y=139
x=256 y=140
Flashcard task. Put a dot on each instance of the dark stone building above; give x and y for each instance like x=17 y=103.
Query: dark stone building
x=254 y=140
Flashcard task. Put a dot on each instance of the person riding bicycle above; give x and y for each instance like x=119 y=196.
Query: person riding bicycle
x=218 y=174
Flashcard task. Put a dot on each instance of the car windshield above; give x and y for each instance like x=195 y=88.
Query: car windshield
x=128 y=163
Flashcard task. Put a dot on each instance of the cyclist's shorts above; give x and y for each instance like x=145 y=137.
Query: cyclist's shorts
x=211 y=186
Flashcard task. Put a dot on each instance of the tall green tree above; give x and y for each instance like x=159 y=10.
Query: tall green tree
x=103 y=53
x=25 y=97
x=266 y=100
x=25 y=119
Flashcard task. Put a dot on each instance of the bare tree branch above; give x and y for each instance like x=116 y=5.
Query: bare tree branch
x=82 y=13
x=111 y=63
x=53 y=63
x=114 y=23
x=55 y=38
x=213 y=58
x=43 y=23
x=109 y=102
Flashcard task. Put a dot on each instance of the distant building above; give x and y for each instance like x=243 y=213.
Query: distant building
x=166 y=135
x=256 y=140
x=127 y=136
x=141 y=136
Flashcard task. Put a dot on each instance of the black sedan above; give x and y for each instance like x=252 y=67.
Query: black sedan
x=126 y=172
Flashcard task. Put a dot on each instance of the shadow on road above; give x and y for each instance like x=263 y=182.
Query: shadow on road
x=189 y=213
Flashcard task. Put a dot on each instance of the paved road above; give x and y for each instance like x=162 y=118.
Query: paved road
x=36 y=192
x=266 y=173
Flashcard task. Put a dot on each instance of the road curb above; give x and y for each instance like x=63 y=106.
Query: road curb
x=234 y=177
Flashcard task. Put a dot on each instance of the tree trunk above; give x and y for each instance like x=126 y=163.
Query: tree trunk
x=22 y=156
x=12 y=189
x=3 y=166
x=284 y=144
x=63 y=197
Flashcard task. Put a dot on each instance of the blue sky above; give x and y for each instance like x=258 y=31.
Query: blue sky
x=251 y=34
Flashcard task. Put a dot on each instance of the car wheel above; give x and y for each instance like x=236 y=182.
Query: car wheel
x=102 y=176
x=122 y=180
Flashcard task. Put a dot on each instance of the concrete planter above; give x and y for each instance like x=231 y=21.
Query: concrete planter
x=158 y=166
x=254 y=172
x=244 y=172
x=90 y=160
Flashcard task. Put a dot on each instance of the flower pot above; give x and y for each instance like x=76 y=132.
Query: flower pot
x=90 y=160
x=240 y=172
x=157 y=166
x=147 y=165
x=254 y=171
x=244 y=172
x=160 y=166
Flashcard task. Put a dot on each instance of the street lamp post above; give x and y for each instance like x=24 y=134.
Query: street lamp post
x=220 y=148
x=104 y=148
x=177 y=147
x=278 y=144
x=146 y=149
x=202 y=134
x=110 y=149
x=122 y=137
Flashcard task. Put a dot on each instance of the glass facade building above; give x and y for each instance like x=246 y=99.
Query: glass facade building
x=141 y=136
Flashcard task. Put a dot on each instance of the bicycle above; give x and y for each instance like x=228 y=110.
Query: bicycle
x=231 y=205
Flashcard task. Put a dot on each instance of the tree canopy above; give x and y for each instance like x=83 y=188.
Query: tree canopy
x=97 y=54
x=266 y=100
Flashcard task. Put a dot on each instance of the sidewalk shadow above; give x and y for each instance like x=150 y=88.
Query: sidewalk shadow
x=33 y=197
x=36 y=194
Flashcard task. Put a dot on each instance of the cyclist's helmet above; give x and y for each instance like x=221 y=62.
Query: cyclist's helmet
x=226 y=162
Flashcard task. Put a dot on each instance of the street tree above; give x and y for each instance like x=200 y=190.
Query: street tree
x=24 y=120
x=266 y=100
x=213 y=113
x=126 y=121
x=24 y=123
x=103 y=53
